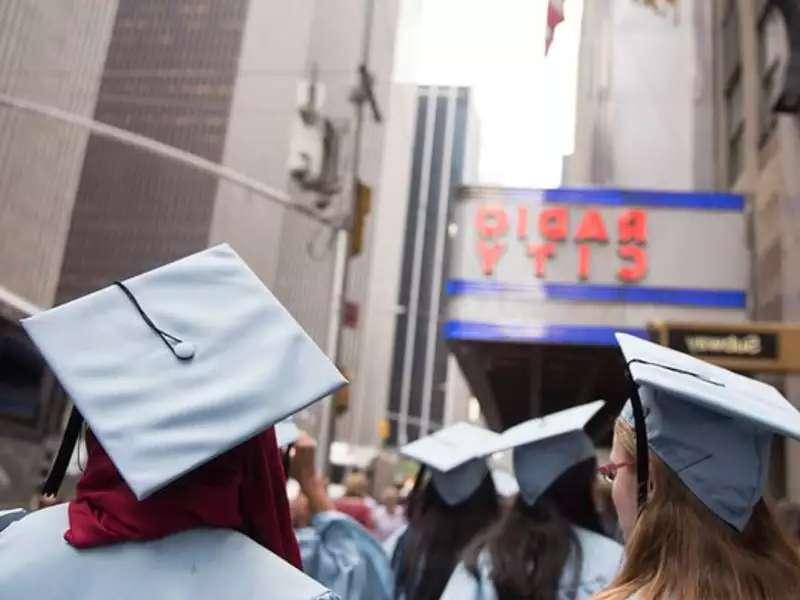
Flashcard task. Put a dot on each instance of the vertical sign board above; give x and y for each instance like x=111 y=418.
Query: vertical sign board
x=572 y=265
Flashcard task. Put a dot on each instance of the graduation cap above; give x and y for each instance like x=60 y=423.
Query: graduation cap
x=711 y=426
x=176 y=366
x=456 y=456
x=546 y=447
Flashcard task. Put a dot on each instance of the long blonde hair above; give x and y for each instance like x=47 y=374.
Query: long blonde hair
x=680 y=550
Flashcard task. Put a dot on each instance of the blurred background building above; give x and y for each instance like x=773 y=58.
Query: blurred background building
x=422 y=389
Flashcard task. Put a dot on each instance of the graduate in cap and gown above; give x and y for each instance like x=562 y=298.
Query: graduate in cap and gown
x=179 y=375
x=453 y=500
x=549 y=545
x=336 y=550
x=690 y=461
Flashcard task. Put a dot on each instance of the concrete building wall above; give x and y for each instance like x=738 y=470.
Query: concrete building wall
x=768 y=174
x=304 y=276
x=644 y=98
x=169 y=75
x=50 y=53
x=274 y=58
x=306 y=262
x=381 y=308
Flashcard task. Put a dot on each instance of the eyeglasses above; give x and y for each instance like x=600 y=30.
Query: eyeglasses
x=609 y=471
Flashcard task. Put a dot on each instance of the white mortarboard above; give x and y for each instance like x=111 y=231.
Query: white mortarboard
x=456 y=457
x=286 y=432
x=173 y=367
x=546 y=447
x=712 y=427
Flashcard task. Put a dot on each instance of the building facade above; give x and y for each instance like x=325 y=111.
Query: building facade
x=757 y=150
x=695 y=98
x=419 y=373
x=645 y=99
x=222 y=80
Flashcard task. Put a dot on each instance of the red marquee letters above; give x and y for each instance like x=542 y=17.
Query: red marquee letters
x=492 y=223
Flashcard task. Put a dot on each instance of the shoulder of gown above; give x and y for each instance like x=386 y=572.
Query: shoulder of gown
x=602 y=559
x=466 y=585
x=198 y=564
x=390 y=543
x=341 y=554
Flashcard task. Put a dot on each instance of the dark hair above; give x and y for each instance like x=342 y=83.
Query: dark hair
x=437 y=534
x=530 y=546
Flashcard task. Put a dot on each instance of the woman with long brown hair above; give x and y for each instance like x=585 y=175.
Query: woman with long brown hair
x=696 y=526
x=454 y=499
x=549 y=545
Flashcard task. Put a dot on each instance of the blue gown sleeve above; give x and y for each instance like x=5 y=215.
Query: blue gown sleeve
x=602 y=558
x=343 y=556
x=7 y=517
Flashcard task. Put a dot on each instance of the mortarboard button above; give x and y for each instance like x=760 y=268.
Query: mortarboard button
x=184 y=350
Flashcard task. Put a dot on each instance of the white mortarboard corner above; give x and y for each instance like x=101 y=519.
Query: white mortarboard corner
x=286 y=432
x=505 y=483
x=711 y=426
x=156 y=413
x=456 y=456
x=546 y=447
x=351 y=455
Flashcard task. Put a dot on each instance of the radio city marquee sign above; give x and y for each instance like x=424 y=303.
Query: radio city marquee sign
x=601 y=242
x=571 y=266
x=540 y=233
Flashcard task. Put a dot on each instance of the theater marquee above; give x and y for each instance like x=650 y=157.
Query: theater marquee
x=571 y=265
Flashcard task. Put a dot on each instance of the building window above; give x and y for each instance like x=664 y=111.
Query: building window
x=731 y=51
x=733 y=97
x=770 y=43
x=736 y=155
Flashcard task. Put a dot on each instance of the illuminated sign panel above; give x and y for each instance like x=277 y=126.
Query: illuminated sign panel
x=553 y=226
x=573 y=264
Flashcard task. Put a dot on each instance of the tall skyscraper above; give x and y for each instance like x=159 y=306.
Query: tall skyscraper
x=418 y=381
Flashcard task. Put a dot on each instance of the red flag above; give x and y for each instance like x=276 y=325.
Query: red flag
x=555 y=14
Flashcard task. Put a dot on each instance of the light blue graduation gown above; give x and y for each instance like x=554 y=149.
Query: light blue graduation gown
x=342 y=555
x=199 y=564
x=602 y=559
x=390 y=543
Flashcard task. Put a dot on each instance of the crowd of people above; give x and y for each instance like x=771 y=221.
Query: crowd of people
x=184 y=493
